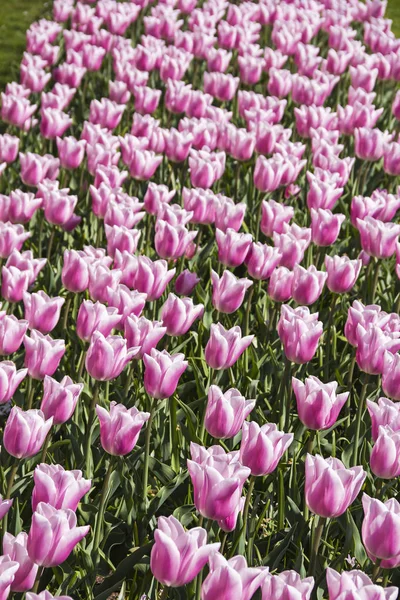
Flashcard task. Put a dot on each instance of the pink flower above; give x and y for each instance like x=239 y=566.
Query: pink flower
x=120 y=428
x=162 y=373
x=107 y=356
x=299 y=332
x=60 y=398
x=325 y=226
x=280 y=284
x=307 y=284
x=231 y=578
x=25 y=432
x=141 y=333
x=179 y=314
x=378 y=238
x=172 y=242
x=233 y=247
x=228 y=291
x=226 y=412
x=318 y=405
x=42 y=354
x=342 y=273
x=58 y=487
x=15 y=549
x=273 y=217
x=262 y=447
x=41 y=311
x=225 y=346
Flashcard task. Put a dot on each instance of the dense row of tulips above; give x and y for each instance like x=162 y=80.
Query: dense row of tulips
x=200 y=266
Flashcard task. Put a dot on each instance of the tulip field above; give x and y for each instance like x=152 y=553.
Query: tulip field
x=200 y=303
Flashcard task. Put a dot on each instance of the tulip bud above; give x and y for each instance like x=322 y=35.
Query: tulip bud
x=162 y=373
x=262 y=447
x=25 y=432
x=42 y=354
x=318 y=405
x=107 y=357
x=179 y=314
x=60 y=398
x=120 y=428
x=226 y=412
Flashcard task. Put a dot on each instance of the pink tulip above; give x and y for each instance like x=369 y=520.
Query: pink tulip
x=186 y=282
x=340 y=485
x=372 y=343
x=107 y=357
x=325 y=226
x=172 y=242
x=14 y=283
x=359 y=314
x=385 y=455
x=24 y=261
x=106 y=113
x=273 y=216
x=12 y=237
x=287 y=584
x=59 y=208
x=75 y=272
x=318 y=405
x=96 y=317
x=378 y=238
x=178 y=144
x=290 y=247
x=155 y=196
x=299 y=332
x=384 y=413
x=218 y=479
x=262 y=447
x=71 y=152
x=143 y=274
x=15 y=549
x=262 y=260
x=342 y=273
x=162 y=373
x=41 y=311
x=228 y=291
x=54 y=123
x=25 y=432
x=17 y=111
x=178 y=556
x=233 y=247
x=101 y=278
x=391 y=375
x=229 y=215
x=179 y=314
x=120 y=428
x=268 y=174
x=231 y=578
x=10 y=379
x=307 y=284
x=391 y=158
x=53 y=535
x=369 y=144
x=225 y=346
x=357 y=584
x=121 y=238
x=220 y=85
x=380 y=530
x=12 y=332
x=42 y=354
x=9 y=145
x=142 y=333
x=144 y=164
x=60 y=398
x=127 y=302
x=226 y=412
x=23 y=205
x=36 y=168
x=8 y=570
x=57 y=487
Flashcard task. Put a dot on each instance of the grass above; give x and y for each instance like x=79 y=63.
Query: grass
x=15 y=18
x=393 y=12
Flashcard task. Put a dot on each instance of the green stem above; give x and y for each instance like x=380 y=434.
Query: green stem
x=375 y=281
x=316 y=539
x=285 y=397
x=281 y=500
x=147 y=451
x=88 y=451
x=37 y=580
x=29 y=393
x=50 y=245
x=328 y=333
x=45 y=447
x=7 y=496
x=174 y=447
x=360 y=410
x=247 y=506
x=66 y=312
x=102 y=506
x=164 y=593
x=223 y=543
x=376 y=569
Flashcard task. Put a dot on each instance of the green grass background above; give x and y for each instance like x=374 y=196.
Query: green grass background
x=17 y=15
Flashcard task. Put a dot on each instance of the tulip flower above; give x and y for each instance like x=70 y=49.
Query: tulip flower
x=179 y=314
x=14 y=283
x=287 y=584
x=186 y=282
x=178 y=556
x=53 y=535
x=378 y=238
x=5 y=506
x=262 y=260
x=42 y=354
x=15 y=549
x=226 y=412
x=358 y=584
x=307 y=284
x=218 y=479
x=127 y=302
x=12 y=333
x=71 y=152
x=383 y=413
x=60 y=398
x=58 y=487
x=359 y=314
x=141 y=333
x=155 y=196
x=75 y=272
x=262 y=447
x=10 y=379
x=96 y=317
x=225 y=346
x=232 y=578
x=24 y=261
x=380 y=530
x=120 y=428
x=25 y=432
x=162 y=373
x=172 y=242
x=41 y=311
x=371 y=348
x=280 y=284
x=8 y=570
x=228 y=291
x=229 y=215
x=342 y=273
x=45 y=595
x=107 y=357
x=12 y=237
x=385 y=455
x=330 y=488
x=299 y=331
x=391 y=375
x=325 y=226
x=101 y=278
x=23 y=205
x=318 y=405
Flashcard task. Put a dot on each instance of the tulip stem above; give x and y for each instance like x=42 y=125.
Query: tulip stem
x=88 y=457
x=102 y=506
x=164 y=593
x=328 y=333
x=37 y=580
x=66 y=312
x=249 y=494
x=316 y=539
x=174 y=434
x=50 y=245
x=286 y=387
x=147 y=452
x=45 y=447
x=375 y=280
x=360 y=409
x=247 y=320
x=11 y=478
x=376 y=570
x=29 y=393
